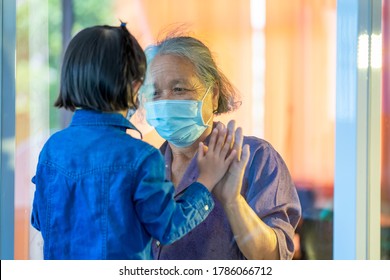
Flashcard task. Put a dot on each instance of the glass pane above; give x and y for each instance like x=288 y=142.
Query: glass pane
x=300 y=109
x=279 y=54
x=32 y=111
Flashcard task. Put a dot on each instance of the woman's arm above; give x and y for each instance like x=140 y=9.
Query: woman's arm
x=255 y=239
x=270 y=191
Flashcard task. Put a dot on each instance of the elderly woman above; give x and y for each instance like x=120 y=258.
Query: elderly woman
x=256 y=213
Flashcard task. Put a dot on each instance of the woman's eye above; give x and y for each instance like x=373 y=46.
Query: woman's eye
x=179 y=90
x=156 y=94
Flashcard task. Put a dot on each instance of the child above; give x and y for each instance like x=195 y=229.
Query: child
x=101 y=194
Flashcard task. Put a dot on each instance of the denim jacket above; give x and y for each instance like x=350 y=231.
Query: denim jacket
x=102 y=194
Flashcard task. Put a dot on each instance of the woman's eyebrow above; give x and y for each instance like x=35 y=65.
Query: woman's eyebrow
x=183 y=82
x=179 y=81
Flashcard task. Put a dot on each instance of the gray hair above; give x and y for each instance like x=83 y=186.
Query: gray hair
x=206 y=69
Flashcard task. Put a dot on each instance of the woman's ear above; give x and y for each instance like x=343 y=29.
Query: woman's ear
x=215 y=98
x=136 y=85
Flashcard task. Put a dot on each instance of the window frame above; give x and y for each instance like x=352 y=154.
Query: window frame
x=357 y=166
x=7 y=126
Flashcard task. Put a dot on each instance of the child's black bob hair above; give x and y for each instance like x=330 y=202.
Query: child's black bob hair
x=99 y=69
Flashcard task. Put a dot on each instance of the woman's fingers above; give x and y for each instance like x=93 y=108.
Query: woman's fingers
x=245 y=156
x=238 y=141
x=231 y=127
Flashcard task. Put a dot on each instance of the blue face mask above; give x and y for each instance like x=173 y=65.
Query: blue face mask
x=180 y=122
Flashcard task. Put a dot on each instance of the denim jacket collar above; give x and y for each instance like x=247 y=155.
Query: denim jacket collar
x=97 y=118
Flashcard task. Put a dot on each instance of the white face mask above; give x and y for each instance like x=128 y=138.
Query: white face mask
x=180 y=122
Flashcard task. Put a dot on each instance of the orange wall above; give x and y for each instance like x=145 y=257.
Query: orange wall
x=300 y=87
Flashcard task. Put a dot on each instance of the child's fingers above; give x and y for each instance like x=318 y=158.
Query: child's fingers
x=201 y=151
x=231 y=157
x=220 y=141
x=226 y=146
x=213 y=139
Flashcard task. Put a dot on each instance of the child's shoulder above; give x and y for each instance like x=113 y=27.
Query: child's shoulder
x=138 y=145
x=138 y=151
x=134 y=141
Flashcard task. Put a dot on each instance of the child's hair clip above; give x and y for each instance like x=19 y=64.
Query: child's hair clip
x=123 y=24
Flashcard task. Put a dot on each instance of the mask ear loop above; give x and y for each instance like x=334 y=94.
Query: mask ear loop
x=204 y=96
